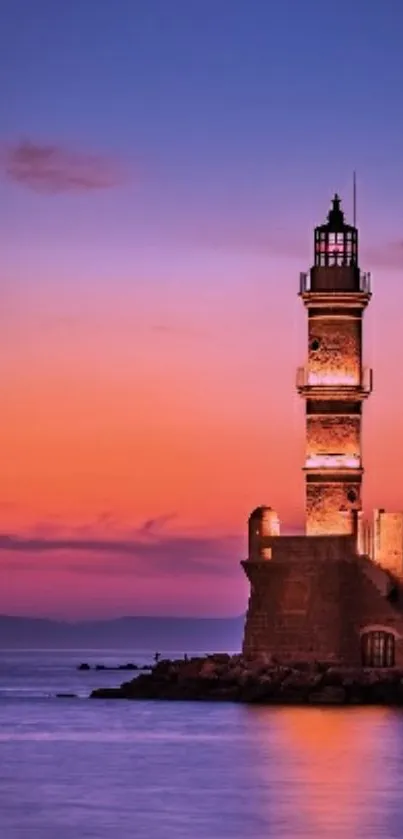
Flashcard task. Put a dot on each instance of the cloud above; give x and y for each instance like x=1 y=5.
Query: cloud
x=157 y=523
x=147 y=553
x=53 y=169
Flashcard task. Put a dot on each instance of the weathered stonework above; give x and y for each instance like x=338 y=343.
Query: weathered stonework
x=333 y=417
x=388 y=541
x=329 y=507
x=334 y=350
x=338 y=434
x=333 y=384
x=312 y=609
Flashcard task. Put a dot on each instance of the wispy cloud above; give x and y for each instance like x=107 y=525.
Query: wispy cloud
x=53 y=169
x=149 y=551
x=157 y=523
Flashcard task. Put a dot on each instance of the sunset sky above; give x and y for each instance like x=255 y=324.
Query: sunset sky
x=163 y=164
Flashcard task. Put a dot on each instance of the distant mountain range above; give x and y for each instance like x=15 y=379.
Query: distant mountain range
x=136 y=633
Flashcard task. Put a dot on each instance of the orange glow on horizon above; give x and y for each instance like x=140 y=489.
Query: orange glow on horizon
x=186 y=409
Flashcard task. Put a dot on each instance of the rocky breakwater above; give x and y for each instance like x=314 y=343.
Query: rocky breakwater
x=222 y=677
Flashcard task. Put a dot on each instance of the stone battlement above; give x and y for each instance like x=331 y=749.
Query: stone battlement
x=290 y=548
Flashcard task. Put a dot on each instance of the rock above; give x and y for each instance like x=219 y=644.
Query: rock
x=219 y=658
x=385 y=690
x=208 y=670
x=298 y=685
x=258 y=692
x=233 y=678
x=107 y=693
x=163 y=666
x=328 y=695
x=66 y=696
x=233 y=675
x=338 y=676
x=129 y=666
x=303 y=666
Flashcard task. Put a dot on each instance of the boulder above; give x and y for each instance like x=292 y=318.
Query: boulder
x=209 y=670
x=328 y=695
x=108 y=693
x=233 y=678
x=66 y=696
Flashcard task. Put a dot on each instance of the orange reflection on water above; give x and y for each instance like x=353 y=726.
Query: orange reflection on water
x=326 y=770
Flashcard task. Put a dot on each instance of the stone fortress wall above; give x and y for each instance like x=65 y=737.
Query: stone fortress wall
x=312 y=598
x=386 y=541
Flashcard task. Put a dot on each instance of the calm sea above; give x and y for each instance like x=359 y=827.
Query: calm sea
x=74 y=769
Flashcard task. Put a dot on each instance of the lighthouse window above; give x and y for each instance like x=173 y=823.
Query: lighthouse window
x=315 y=344
x=352 y=496
x=378 y=649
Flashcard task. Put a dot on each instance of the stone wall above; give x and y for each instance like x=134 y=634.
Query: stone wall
x=290 y=548
x=388 y=541
x=309 y=609
x=365 y=609
x=329 y=506
x=339 y=435
x=293 y=610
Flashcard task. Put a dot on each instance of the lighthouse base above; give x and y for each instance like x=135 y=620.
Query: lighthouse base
x=317 y=599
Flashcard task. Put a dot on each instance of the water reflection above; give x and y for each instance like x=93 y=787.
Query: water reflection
x=330 y=772
x=166 y=770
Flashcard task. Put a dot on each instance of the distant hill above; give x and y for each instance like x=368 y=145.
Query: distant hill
x=136 y=633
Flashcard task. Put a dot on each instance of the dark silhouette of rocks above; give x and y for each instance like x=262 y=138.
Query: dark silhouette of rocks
x=222 y=677
x=129 y=666
x=66 y=696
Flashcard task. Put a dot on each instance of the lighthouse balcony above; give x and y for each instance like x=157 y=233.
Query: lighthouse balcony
x=334 y=385
x=339 y=280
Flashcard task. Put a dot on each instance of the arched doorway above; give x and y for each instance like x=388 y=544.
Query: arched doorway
x=378 y=648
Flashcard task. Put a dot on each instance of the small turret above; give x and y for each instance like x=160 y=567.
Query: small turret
x=263 y=522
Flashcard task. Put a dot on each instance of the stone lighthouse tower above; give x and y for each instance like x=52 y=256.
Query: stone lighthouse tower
x=334 y=383
x=323 y=596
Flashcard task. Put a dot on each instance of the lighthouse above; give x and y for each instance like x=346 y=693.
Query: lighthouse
x=328 y=594
x=334 y=383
